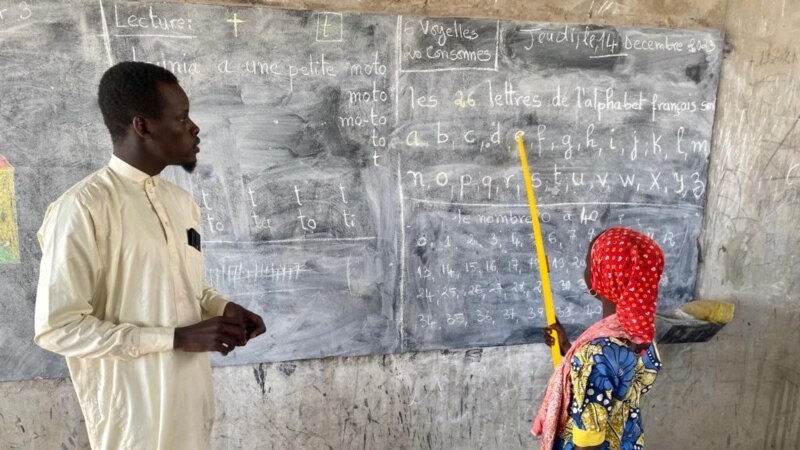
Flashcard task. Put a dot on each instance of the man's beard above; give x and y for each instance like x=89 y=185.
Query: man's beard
x=189 y=167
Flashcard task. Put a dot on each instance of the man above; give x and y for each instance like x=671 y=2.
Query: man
x=121 y=291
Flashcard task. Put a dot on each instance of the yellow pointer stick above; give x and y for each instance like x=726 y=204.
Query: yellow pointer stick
x=544 y=269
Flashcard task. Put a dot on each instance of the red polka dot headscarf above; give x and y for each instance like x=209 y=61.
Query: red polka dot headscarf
x=626 y=267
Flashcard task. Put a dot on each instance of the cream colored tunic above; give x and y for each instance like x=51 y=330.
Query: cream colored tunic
x=117 y=276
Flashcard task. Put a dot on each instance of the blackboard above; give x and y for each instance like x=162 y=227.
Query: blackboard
x=358 y=177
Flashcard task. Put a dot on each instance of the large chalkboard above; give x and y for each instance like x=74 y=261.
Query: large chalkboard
x=358 y=178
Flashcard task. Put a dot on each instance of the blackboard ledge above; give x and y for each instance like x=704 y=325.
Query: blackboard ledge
x=679 y=328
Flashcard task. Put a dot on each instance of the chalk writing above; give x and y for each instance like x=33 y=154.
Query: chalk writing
x=359 y=181
x=235 y=21
x=432 y=45
x=14 y=14
x=150 y=20
x=603 y=40
x=330 y=27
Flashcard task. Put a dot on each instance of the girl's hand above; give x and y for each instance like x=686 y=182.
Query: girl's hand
x=563 y=340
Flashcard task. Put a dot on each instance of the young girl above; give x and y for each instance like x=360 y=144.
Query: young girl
x=592 y=400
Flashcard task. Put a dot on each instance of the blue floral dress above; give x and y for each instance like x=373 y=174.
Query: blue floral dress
x=608 y=383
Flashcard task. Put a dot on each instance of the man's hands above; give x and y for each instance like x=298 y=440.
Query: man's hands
x=220 y=334
x=563 y=340
x=253 y=324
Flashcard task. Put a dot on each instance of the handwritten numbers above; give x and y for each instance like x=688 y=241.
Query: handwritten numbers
x=464 y=101
x=423 y=272
x=483 y=317
x=426 y=321
x=25 y=11
x=456 y=319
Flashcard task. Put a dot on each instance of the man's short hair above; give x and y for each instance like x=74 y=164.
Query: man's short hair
x=130 y=89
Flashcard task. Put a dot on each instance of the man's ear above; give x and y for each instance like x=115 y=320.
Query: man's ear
x=141 y=127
